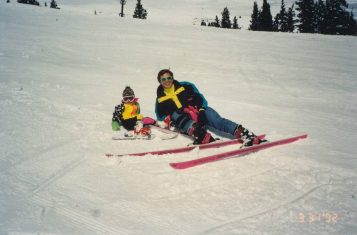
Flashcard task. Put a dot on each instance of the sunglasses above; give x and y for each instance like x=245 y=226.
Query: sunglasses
x=166 y=79
x=128 y=99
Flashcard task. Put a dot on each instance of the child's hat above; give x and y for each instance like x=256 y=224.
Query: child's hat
x=128 y=92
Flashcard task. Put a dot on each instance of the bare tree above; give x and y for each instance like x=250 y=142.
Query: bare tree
x=122 y=2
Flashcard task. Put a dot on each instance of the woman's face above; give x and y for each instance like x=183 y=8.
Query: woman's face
x=166 y=80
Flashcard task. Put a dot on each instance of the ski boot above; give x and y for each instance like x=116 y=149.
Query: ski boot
x=201 y=136
x=248 y=138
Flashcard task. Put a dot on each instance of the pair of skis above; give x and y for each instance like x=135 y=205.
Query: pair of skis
x=216 y=144
x=215 y=157
x=235 y=153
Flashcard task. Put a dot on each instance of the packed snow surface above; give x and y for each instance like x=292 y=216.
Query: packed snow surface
x=63 y=71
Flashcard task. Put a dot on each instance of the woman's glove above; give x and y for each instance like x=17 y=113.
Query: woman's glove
x=202 y=118
x=192 y=112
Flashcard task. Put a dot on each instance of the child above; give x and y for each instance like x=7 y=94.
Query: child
x=127 y=114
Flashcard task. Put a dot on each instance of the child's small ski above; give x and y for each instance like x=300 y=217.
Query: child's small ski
x=167 y=134
x=134 y=137
x=164 y=135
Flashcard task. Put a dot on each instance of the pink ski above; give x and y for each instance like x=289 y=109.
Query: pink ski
x=217 y=157
x=216 y=144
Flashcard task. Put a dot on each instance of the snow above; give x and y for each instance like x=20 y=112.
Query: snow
x=63 y=71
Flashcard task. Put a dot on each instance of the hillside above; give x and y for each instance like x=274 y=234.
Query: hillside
x=62 y=72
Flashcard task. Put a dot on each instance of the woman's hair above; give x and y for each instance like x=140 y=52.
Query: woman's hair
x=162 y=72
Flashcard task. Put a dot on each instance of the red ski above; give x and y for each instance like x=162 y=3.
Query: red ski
x=234 y=153
x=216 y=144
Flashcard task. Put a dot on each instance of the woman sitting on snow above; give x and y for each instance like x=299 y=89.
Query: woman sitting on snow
x=183 y=105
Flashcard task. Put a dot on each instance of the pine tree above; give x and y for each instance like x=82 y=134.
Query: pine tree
x=235 y=23
x=338 y=17
x=283 y=18
x=31 y=2
x=226 y=21
x=276 y=23
x=265 y=18
x=352 y=25
x=34 y=2
x=306 y=16
x=320 y=17
x=254 y=22
x=203 y=23
x=280 y=20
x=8 y=1
x=216 y=23
x=53 y=4
x=140 y=12
x=291 y=20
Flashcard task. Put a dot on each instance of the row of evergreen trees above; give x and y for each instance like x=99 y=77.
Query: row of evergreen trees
x=225 y=22
x=262 y=20
x=330 y=17
x=53 y=3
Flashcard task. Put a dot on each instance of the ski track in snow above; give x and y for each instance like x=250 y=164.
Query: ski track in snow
x=209 y=186
x=77 y=219
x=57 y=175
x=41 y=155
x=260 y=212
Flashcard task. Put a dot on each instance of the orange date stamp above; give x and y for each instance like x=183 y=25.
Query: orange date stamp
x=312 y=217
